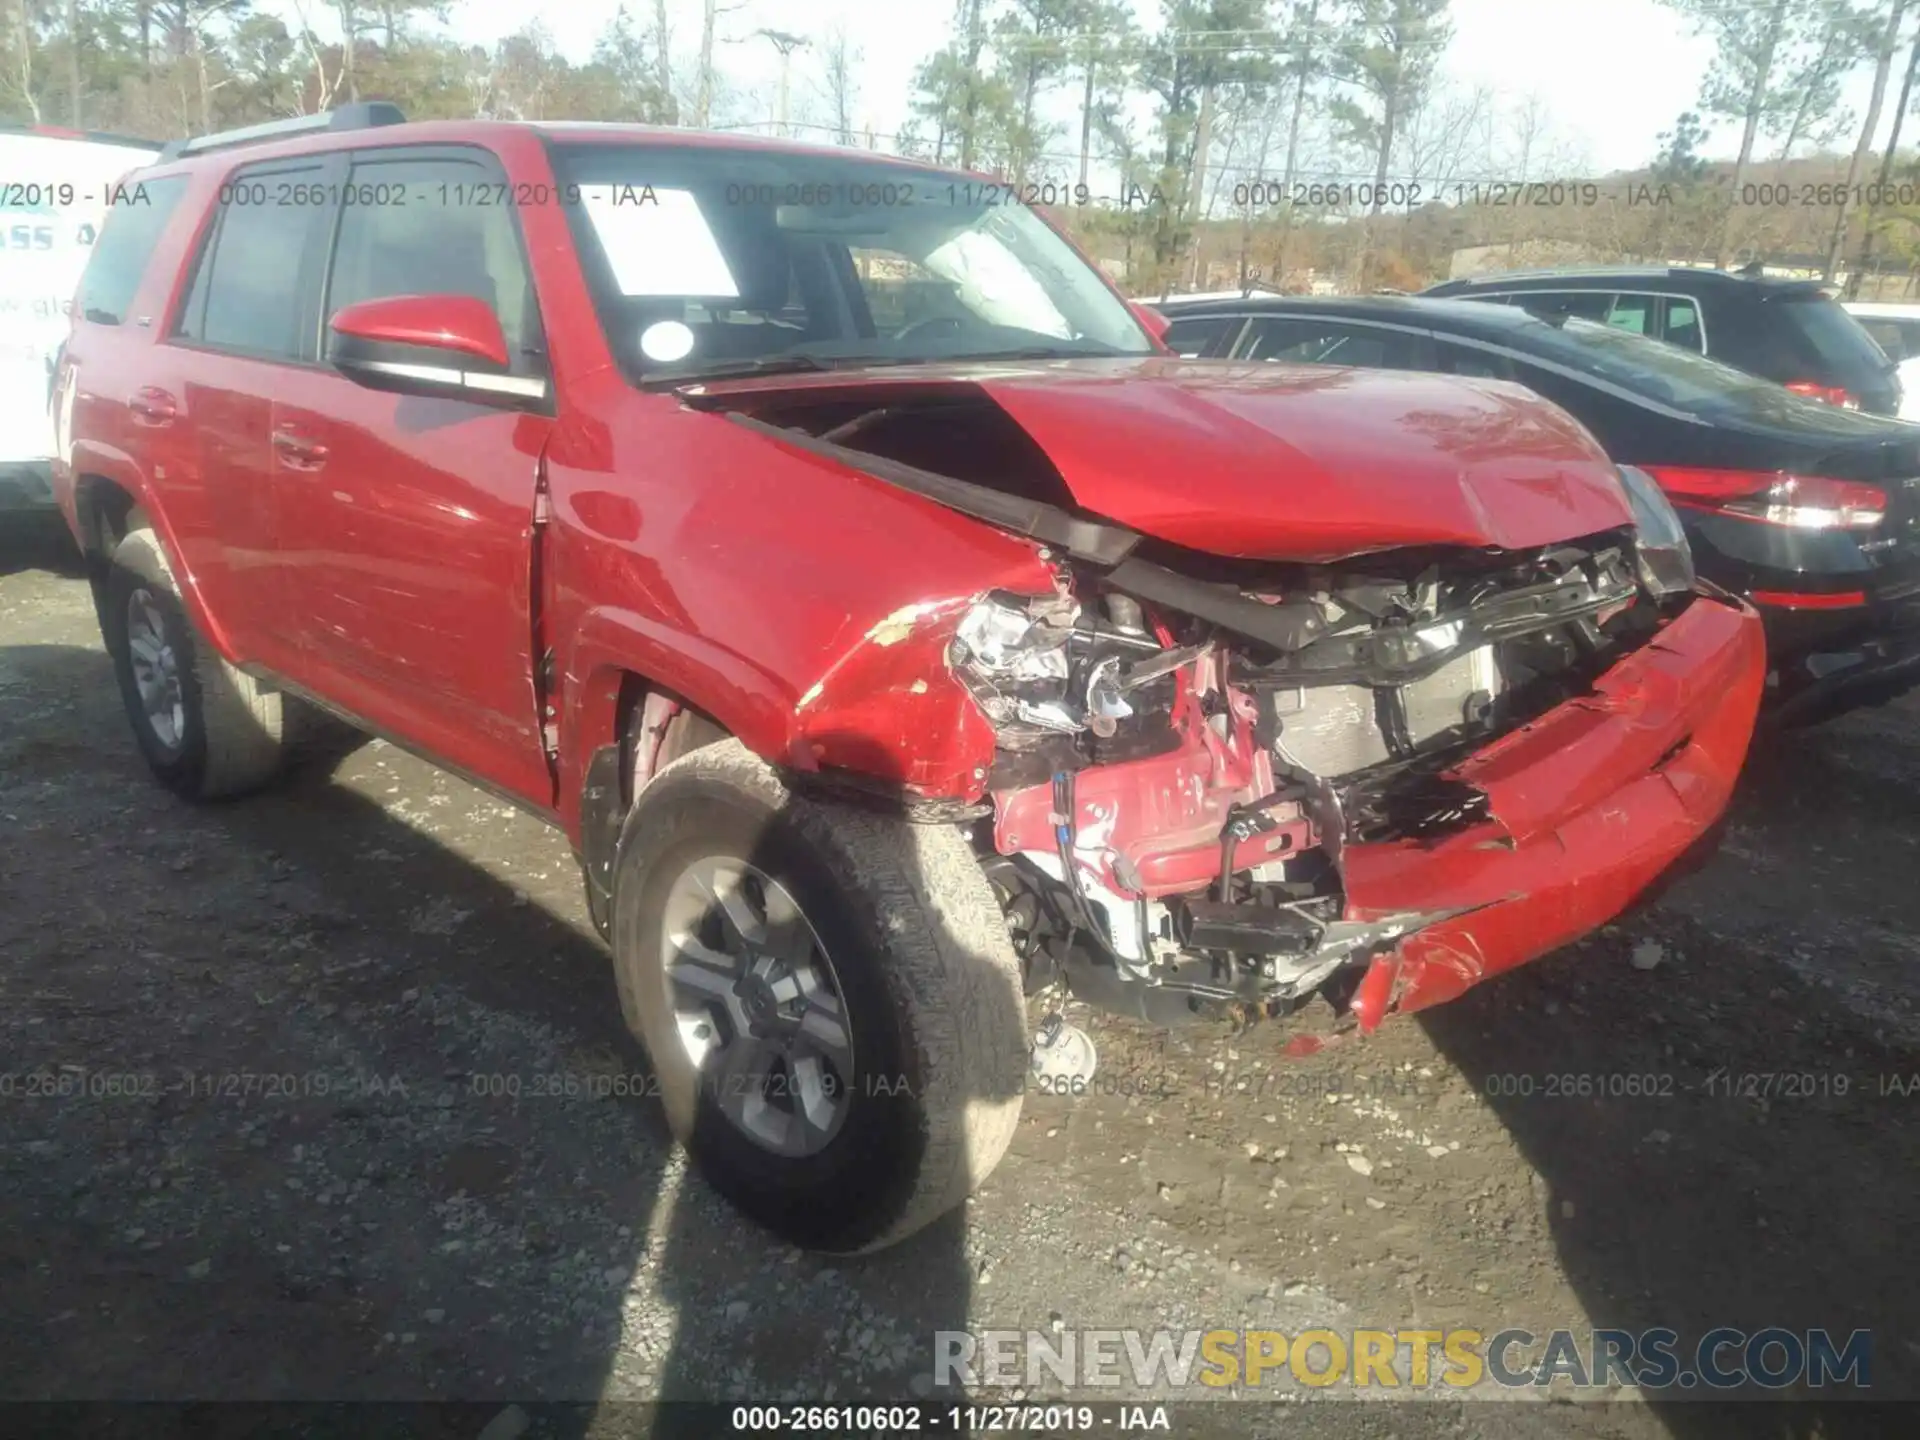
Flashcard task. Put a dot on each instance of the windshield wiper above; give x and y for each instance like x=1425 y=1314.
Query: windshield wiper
x=730 y=369
x=1038 y=352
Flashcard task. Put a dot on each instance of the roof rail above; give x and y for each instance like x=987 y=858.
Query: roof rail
x=361 y=115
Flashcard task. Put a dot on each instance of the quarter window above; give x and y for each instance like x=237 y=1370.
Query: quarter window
x=133 y=228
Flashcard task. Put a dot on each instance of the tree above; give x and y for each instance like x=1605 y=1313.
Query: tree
x=1889 y=42
x=1389 y=59
x=1106 y=37
x=705 y=75
x=840 y=63
x=1035 y=36
x=1202 y=48
x=631 y=73
x=1750 y=81
x=1874 y=223
x=1839 y=42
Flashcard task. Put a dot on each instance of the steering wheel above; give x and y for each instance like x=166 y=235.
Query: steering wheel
x=919 y=328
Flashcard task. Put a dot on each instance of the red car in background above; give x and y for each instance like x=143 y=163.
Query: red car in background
x=889 y=622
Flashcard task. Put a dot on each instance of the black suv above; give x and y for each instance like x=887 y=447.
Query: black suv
x=1788 y=331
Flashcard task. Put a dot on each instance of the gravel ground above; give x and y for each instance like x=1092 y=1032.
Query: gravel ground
x=383 y=950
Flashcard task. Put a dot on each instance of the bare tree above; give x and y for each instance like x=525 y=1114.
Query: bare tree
x=1879 y=197
x=840 y=60
x=705 y=76
x=326 y=83
x=23 y=62
x=663 y=48
x=1882 y=67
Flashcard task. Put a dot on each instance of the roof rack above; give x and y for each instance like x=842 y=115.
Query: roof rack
x=361 y=115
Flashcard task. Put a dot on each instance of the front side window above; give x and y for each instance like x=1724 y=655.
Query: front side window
x=704 y=260
x=434 y=225
x=133 y=228
x=248 y=292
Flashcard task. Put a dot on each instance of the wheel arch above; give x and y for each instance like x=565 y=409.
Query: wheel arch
x=106 y=507
x=612 y=764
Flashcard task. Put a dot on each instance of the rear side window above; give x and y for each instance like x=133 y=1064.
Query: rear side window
x=1202 y=336
x=1575 y=304
x=1466 y=360
x=1633 y=312
x=1332 y=342
x=133 y=228
x=1683 y=324
x=251 y=287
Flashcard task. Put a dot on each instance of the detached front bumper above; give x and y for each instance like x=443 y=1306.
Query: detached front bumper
x=1590 y=803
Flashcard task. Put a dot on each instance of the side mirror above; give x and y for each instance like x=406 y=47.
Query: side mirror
x=1156 y=323
x=447 y=346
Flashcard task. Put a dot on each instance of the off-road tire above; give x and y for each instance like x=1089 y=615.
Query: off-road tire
x=928 y=980
x=235 y=737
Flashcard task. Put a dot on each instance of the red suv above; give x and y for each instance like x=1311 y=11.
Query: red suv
x=888 y=620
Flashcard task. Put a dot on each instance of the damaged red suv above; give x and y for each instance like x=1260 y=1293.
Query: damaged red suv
x=890 y=623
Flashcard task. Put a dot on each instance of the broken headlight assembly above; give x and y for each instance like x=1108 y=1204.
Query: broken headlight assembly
x=1042 y=665
x=1661 y=551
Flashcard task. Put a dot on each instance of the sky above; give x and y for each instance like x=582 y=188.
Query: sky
x=1613 y=73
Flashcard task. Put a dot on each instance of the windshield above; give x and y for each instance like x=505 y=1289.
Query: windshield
x=715 y=261
x=1684 y=380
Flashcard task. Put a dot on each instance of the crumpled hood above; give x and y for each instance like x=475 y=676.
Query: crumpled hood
x=1268 y=461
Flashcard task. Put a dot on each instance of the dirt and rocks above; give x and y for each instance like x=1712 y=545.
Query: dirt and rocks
x=319 y=1095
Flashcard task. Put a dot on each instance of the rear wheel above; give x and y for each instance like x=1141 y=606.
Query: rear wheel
x=828 y=997
x=206 y=729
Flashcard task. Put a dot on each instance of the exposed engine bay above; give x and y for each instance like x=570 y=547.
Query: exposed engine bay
x=1178 y=795
x=1185 y=743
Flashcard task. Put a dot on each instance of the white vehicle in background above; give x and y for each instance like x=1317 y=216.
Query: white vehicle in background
x=1896 y=330
x=55 y=188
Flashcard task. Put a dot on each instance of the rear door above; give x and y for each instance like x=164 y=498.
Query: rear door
x=407 y=544
x=243 y=333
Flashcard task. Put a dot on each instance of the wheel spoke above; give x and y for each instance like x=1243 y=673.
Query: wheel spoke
x=740 y=1082
x=723 y=889
x=817 y=1092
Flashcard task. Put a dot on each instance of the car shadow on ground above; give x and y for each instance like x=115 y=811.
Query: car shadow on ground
x=322 y=1110
x=1681 y=1195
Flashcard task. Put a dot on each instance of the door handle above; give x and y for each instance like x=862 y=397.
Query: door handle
x=153 y=406
x=299 y=452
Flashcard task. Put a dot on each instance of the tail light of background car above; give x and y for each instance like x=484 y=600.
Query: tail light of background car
x=1829 y=394
x=1805 y=502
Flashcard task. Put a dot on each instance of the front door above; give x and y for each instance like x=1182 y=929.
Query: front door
x=407 y=522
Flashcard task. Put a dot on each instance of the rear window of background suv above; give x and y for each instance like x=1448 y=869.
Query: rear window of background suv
x=125 y=245
x=1833 y=336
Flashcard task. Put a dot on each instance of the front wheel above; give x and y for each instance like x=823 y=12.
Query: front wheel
x=828 y=997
